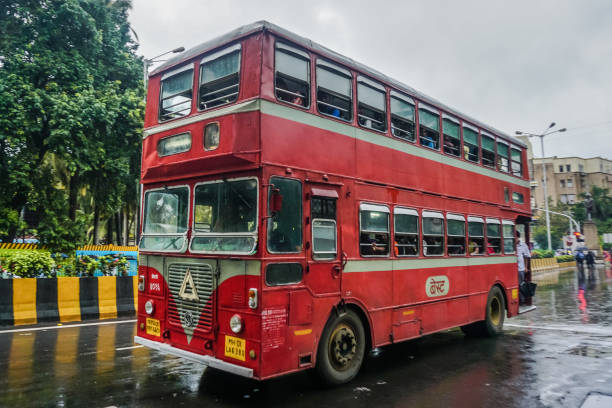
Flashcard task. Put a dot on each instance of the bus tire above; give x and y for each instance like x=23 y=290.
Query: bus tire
x=495 y=313
x=341 y=348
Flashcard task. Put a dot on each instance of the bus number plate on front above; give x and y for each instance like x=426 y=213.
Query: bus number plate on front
x=235 y=348
x=153 y=327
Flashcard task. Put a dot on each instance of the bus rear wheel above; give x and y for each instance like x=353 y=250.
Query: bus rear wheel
x=495 y=313
x=341 y=348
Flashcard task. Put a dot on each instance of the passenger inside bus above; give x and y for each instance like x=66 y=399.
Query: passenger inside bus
x=474 y=248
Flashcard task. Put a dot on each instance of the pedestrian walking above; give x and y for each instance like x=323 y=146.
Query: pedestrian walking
x=590 y=261
x=580 y=261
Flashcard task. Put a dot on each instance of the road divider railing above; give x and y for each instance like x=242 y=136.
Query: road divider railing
x=37 y=300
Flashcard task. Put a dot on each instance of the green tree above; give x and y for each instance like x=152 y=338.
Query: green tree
x=71 y=109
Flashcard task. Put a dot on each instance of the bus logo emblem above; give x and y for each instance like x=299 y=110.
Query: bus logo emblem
x=437 y=286
x=188 y=289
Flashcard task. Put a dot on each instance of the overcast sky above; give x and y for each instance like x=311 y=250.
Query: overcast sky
x=513 y=65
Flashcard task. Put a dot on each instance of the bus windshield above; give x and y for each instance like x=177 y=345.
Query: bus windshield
x=165 y=219
x=225 y=217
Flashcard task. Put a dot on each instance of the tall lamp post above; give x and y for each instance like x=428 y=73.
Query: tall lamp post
x=547 y=132
x=147 y=62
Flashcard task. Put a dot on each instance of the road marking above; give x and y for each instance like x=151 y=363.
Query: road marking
x=66 y=326
x=129 y=347
x=570 y=329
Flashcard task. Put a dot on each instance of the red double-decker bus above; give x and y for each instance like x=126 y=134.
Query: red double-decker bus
x=300 y=208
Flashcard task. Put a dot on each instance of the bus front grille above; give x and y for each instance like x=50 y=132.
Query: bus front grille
x=191 y=306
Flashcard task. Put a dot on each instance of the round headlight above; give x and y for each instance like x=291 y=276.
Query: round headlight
x=149 y=307
x=236 y=323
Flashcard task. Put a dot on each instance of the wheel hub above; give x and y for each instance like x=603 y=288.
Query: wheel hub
x=343 y=346
x=495 y=311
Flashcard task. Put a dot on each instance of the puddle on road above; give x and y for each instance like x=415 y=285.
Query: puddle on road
x=588 y=350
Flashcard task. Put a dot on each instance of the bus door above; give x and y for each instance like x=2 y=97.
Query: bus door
x=324 y=273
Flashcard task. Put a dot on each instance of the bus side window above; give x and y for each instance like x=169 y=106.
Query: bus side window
x=488 y=151
x=334 y=91
x=455 y=234
x=493 y=236
x=429 y=128
x=324 y=235
x=176 y=94
x=433 y=233
x=502 y=157
x=470 y=145
x=517 y=167
x=402 y=117
x=476 y=236
x=452 y=137
x=406 y=232
x=373 y=230
x=220 y=78
x=285 y=226
x=372 y=105
x=292 y=75
x=508 y=233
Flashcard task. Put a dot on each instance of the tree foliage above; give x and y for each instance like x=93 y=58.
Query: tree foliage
x=71 y=109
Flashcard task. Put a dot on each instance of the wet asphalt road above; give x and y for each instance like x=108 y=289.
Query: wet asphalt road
x=552 y=357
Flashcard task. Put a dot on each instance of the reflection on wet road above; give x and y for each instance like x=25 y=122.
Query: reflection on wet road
x=554 y=356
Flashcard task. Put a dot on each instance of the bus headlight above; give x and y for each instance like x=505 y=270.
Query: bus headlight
x=236 y=323
x=149 y=307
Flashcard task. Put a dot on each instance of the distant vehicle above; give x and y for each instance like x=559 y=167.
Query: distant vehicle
x=300 y=208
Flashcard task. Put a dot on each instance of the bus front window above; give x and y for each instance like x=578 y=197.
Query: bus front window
x=165 y=222
x=225 y=217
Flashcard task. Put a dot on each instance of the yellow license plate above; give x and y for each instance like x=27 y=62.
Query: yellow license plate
x=153 y=327
x=235 y=348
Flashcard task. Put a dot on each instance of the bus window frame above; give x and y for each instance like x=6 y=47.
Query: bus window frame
x=446 y=117
x=474 y=129
x=168 y=75
x=480 y=220
x=433 y=111
x=226 y=50
x=363 y=207
x=456 y=217
x=500 y=237
x=400 y=210
x=338 y=70
x=393 y=94
x=433 y=214
x=300 y=54
x=513 y=237
x=255 y=234
x=377 y=87
x=269 y=220
x=186 y=242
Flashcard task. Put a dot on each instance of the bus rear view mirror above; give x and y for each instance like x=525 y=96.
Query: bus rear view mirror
x=276 y=201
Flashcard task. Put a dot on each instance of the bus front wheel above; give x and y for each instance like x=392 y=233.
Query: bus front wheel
x=341 y=348
x=495 y=312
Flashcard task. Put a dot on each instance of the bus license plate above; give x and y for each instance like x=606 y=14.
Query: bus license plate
x=235 y=348
x=153 y=327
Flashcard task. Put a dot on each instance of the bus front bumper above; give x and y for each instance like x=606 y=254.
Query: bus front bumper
x=206 y=360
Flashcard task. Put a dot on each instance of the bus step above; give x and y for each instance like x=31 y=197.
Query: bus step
x=526 y=308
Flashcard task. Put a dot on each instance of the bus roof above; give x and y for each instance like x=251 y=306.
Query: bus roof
x=258 y=26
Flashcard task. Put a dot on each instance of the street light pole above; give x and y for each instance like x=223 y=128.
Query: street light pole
x=147 y=62
x=541 y=136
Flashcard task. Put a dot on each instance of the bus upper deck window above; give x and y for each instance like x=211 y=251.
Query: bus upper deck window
x=429 y=128
x=372 y=105
x=517 y=167
x=292 y=75
x=502 y=157
x=176 y=94
x=488 y=151
x=452 y=136
x=402 y=117
x=470 y=144
x=220 y=78
x=334 y=91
